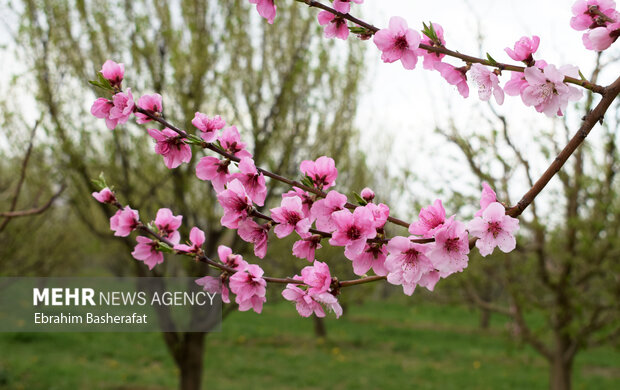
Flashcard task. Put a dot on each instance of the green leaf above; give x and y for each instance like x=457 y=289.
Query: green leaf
x=163 y=247
x=359 y=199
x=307 y=181
x=491 y=60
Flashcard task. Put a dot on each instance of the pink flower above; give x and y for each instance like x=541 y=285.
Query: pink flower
x=323 y=209
x=250 y=288
x=367 y=194
x=344 y=6
x=208 y=126
x=431 y=58
x=124 y=222
x=231 y=142
x=317 y=277
x=197 y=239
x=146 y=251
x=353 y=229
x=335 y=27
x=398 y=42
x=171 y=146
x=252 y=180
x=430 y=220
x=487 y=82
x=584 y=16
x=289 y=217
x=454 y=76
x=105 y=196
x=168 y=225
x=151 y=103
x=266 y=9
x=306 y=247
x=429 y=280
x=546 y=90
x=306 y=199
x=101 y=109
x=252 y=232
x=517 y=83
x=323 y=171
x=380 y=214
x=372 y=256
x=210 y=284
x=523 y=49
x=407 y=263
x=236 y=204
x=113 y=72
x=449 y=254
x=601 y=38
x=213 y=169
x=495 y=228
x=123 y=107
x=232 y=260
x=488 y=196
x=306 y=303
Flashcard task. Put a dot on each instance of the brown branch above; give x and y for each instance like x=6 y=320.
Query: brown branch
x=33 y=211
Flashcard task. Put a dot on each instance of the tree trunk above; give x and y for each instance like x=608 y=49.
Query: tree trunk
x=561 y=372
x=485 y=318
x=190 y=361
x=319 y=327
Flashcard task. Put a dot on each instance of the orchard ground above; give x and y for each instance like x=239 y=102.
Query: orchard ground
x=380 y=345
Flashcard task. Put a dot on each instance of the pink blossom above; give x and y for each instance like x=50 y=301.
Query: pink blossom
x=317 y=277
x=151 y=103
x=488 y=196
x=123 y=107
x=430 y=220
x=546 y=90
x=584 y=16
x=407 y=263
x=101 y=109
x=454 y=76
x=252 y=180
x=323 y=171
x=523 y=49
x=231 y=142
x=380 y=214
x=266 y=9
x=344 y=6
x=398 y=42
x=431 y=58
x=252 y=232
x=429 y=280
x=353 y=229
x=113 y=72
x=306 y=303
x=250 y=288
x=367 y=194
x=230 y=259
x=449 y=254
x=487 y=82
x=168 y=225
x=601 y=38
x=517 y=83
x=124 y=222
x=171 y=146
x=372 y=256
x=215 y=170
x=289 y=217
x=210 y=284
x=105 y=196
x=323 y=209
x=495 y=228
x=236 y=204
x=208 y=126
x=306 y=199
x=335 y=27
x=197 y=239
x=306 y=247
x=146 y=251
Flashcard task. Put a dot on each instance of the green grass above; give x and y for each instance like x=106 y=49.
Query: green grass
x=374 y=346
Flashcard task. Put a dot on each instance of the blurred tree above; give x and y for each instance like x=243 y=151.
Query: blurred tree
x=565 y=269
x=290 y=92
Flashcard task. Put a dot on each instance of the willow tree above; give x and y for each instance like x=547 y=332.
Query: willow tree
x=289 y=91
